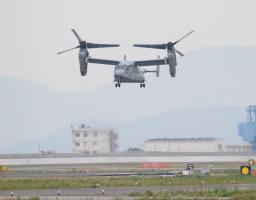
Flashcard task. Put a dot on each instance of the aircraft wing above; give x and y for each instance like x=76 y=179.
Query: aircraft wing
x=102 y=61
x=151 y=62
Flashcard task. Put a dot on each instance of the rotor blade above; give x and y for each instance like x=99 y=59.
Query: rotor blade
x=77 y=36
x=153 y=46
x=183 y=37
x=93 y=45
x=178 y=52
x=68 y=50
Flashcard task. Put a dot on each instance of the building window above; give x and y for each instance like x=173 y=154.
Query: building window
x=77 y=134
x=95 y=134
x=77 y=144
x=85 y=134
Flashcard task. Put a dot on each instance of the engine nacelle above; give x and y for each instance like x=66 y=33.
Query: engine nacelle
x=172 y=62
x=83 y=56
x=172 y=71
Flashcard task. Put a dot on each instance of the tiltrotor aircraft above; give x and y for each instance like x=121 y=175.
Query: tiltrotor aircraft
x=127 y=71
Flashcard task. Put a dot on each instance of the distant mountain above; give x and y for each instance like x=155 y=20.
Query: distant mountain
x=206 y=78
x=59 y=140
x=220 y=122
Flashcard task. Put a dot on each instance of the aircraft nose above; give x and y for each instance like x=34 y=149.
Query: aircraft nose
x=119 y=72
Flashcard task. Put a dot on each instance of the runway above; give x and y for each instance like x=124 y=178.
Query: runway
x=125 y=191
x=64 y=159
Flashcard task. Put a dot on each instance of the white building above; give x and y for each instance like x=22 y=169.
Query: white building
x=239 y=148
x=91 y=140
x=184 y=145
x=192 y=145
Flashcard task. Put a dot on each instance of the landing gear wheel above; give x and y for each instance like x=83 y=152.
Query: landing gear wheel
x=117 y=85
x=142 y=85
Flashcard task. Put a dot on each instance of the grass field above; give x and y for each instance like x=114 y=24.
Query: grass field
x=91 y=182
x=234 y=195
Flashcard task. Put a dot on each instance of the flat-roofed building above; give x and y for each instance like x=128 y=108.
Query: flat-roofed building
x=184 y=145
x=94 y=140
x=239 y=148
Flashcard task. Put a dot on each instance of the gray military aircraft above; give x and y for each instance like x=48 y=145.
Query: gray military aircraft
x=171 y=52
x=127 y=71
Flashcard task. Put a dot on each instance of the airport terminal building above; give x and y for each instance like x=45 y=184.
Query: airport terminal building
x=93 y=140
x=192 y=145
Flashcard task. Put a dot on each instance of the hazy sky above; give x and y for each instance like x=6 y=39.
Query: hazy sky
x=32 y=31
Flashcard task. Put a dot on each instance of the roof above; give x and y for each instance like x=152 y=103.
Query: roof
x=182 y=139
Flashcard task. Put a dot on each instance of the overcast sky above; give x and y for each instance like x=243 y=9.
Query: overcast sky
x=32 y=31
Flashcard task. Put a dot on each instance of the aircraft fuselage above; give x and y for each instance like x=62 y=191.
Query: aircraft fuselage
x=128 y=72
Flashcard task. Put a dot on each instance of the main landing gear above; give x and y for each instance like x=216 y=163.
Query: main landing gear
x=142 y=85
x=117 y=85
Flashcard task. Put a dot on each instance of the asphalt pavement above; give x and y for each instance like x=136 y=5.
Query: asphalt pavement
x=124 y=191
